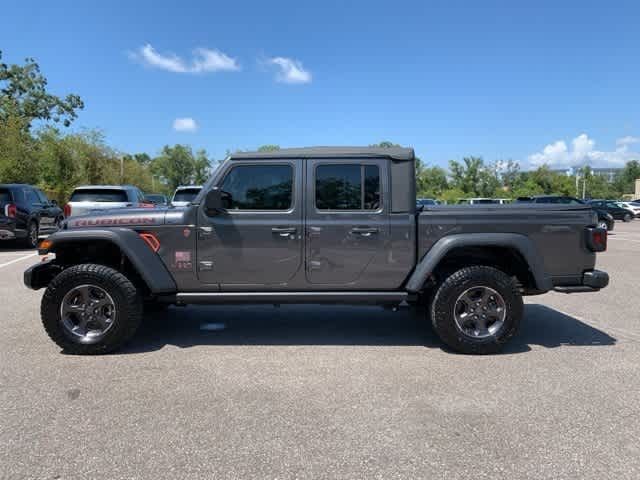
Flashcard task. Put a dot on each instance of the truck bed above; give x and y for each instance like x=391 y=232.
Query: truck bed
x=557 y=231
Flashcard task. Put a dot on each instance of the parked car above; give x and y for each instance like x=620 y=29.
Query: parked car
x=614 y=209
x=634 y=207
x=316 y=225
x=605 y=219
x=184 y=195
x=478 y=201
x=426 y=202
x=26 y=212
x=90 y=198
x=157 y=199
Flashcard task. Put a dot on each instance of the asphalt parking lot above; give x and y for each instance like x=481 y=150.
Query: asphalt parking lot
x=328 y=392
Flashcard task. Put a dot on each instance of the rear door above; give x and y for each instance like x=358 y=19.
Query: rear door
x=347 y=223
x=258 y=240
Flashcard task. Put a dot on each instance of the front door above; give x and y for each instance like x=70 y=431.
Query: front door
x=346 y=221
x=258 y=240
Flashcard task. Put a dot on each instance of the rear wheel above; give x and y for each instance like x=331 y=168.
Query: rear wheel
x=603 y=224
x=91 y=309
x=476 y=310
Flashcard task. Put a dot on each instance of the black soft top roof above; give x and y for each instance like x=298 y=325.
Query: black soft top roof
x=394 y=153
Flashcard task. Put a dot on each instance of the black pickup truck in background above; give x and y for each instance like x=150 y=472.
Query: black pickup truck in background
x=25 y=213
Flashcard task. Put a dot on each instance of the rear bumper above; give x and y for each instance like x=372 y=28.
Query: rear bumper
x=592 y=281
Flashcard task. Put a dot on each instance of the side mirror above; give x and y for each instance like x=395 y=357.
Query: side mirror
x=213 y=202
x=54 y=203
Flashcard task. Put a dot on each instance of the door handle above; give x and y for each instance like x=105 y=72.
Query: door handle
x=283 y=231
x=364 y=231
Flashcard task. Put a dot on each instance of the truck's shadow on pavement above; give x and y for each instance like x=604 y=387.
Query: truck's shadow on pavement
x=338 y=325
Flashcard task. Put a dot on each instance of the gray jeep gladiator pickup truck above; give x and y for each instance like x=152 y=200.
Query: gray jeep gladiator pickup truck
x=315 y=225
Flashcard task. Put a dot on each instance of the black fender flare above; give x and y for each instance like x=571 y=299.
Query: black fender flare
x=521 y=243
x=146 y=262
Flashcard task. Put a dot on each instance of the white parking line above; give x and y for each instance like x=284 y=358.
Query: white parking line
x=18 y=259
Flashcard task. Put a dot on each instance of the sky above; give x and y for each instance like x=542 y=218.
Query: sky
x=553 y=82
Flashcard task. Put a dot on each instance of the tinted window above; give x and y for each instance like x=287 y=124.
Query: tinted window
x=5 y=195
x=186 y=194
x=156 y=198
x=43 y=198
x=483 y=201
x=31 y=196
x=99 y=195
x=347 y=187
x=258 y=187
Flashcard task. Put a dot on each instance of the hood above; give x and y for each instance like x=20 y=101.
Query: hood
x=130 y=217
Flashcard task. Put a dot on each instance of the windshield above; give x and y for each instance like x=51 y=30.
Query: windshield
x=186 y=194
x=99 y=195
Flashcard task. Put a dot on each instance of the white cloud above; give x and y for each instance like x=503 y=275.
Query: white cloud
x=290 y=70
x=583 y=152
x=185 y=125
x=203 y=60
x=626 y=141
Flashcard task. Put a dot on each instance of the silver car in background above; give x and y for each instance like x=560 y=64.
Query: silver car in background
x=184 y=195
x=91 y=198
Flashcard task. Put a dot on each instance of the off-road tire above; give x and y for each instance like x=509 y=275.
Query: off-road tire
x=128 y=307
x=449 y=290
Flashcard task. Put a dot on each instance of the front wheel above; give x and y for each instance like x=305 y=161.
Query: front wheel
x=626 y=218
x=31 y=241
x=91 y=309
x=476 y=310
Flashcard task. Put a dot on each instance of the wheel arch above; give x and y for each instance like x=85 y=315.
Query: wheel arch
x=119 y=248
x=514 y=254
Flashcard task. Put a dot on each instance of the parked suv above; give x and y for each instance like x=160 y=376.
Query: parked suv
x=25 y=212
x=184 y=195
x=90 y=198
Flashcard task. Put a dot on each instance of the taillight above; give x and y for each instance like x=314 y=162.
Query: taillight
x=67 y=210
x=151 y=240
x=596 y=239
x=11 y=210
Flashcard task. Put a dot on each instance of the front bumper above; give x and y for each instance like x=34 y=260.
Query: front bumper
x=39 y=275
x=592 y=281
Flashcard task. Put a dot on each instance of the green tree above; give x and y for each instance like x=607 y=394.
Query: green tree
x=473 y=177
x=625 y=180
x=268 y=148
x=23 y=92
x=175 y=165
x=17 y=152
x=201 y=167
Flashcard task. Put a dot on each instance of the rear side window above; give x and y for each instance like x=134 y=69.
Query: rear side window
x=347 y=187
x=5 y=195
x=31 y=196
x=186 y=195
x=259 y=187
x=99 y=195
